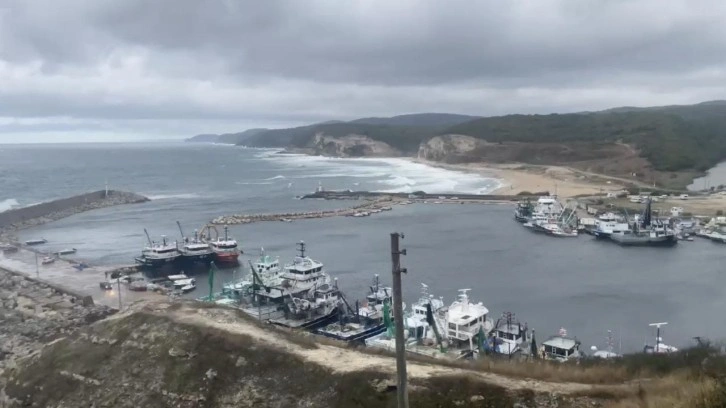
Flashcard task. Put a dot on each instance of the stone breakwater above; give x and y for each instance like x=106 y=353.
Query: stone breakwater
x=367 y=208
x=20 y=218
x=34 y=313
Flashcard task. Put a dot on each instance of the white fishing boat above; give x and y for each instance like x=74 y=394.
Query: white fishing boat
x=32 y=242
x=68 y=251
x=158 y=254
x=561 y=348
x=194 y=249
x=465 y=320
x=304 y=297
x=266 y=271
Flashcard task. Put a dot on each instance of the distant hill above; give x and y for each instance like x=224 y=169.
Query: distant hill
x=418 y=119
x=205 y=138
x=653 y=142
x=226 y=138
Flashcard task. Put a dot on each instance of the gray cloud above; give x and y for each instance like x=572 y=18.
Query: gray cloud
x=222 y=63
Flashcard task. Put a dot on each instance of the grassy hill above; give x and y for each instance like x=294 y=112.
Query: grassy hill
x=668 y=141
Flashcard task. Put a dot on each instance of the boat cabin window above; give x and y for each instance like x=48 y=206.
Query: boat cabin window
x=558 y=351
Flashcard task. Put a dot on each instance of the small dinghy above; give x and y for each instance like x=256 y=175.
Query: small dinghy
x=47 y=260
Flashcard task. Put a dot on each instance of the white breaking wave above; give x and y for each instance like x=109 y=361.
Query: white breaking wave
x=254 y=183
x=278 y=177
x=8 y=204
x=170 y=196
x=393 y=174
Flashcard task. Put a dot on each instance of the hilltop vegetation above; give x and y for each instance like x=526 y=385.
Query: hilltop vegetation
x=669 y=142
x=652 y=142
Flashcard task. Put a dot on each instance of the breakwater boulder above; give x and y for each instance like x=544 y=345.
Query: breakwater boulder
x=25 y=217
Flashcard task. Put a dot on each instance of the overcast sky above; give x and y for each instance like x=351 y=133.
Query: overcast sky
x=120 y=69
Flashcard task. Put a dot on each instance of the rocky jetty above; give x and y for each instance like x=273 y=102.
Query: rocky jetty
x=33 y=313
x=38 y=214
x=367 y=208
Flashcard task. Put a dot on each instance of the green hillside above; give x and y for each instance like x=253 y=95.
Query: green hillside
x=668 y=141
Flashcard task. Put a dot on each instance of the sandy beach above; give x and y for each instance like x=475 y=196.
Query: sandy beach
x=517 y=178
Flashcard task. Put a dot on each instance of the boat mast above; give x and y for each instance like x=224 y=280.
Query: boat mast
x=301 y=248
x=148 y=238
x=225 y=232
x=657 y=335
x=180 y=230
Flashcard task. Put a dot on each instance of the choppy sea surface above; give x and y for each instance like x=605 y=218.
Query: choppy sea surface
x=583 y=285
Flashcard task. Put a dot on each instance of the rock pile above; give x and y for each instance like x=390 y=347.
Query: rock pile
x=250 y=218
x=33 y=314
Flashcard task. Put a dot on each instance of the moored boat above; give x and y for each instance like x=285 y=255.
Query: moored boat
x=523 y=211
x=67 y=251
x=158 y=254
x=47 y=260
x=646 y=232
x=363 y=322
x=226 y=250
x=32 y=242
x=194 y=250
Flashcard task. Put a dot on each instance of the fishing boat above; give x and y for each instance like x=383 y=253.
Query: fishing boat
x=361 y=323
x=47 y=260
x=508 y=335
x=523 y=211
x=226 y=250
x=659 y=347
x=561 y=348
x=158 y=254
x=465 y=320
x=605 y=228
x=266 y=271
x=32 y=242
x=68 y=251
x=304 y=298
x=646 y=232
x=194 y=250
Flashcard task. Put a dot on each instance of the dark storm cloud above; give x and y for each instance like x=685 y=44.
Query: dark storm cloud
x=302 y=61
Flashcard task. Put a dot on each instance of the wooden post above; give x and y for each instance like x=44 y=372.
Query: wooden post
x=398 y=320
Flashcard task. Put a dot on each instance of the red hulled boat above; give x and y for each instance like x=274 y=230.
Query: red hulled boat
x=225 y=249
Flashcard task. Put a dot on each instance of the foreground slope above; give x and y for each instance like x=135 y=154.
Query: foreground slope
x=188 y=354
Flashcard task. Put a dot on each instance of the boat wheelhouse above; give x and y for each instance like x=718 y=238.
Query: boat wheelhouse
x=561 y=348
x=508 y=335
x=465 y=320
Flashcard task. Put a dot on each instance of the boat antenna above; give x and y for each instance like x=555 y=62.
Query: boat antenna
x=225 y=232
x=657 y=335
x=301 y=248
x=148 y=238
x=180 y=230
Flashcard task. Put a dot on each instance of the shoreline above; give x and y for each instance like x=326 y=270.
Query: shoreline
x=515 y=179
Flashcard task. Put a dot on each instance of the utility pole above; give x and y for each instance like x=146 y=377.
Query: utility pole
x=398 y=319
x=37 y=271
x=118 y=282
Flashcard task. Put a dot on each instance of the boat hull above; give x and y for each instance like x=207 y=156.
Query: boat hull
x=353 y=336
x=197 y=258
x=155 y=262
x=312 y=324
x=667 y=241
x=226 y=258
